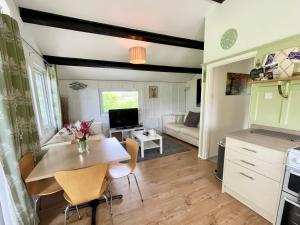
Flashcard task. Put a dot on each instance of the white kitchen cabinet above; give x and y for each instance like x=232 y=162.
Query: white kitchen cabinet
x=253 y=175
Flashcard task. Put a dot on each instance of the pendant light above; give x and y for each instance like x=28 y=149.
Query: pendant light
x=137 y=55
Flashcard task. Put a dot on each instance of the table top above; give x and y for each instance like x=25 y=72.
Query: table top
x=67 y=157
x=139 y=135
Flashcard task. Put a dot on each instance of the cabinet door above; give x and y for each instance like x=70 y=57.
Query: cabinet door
x=266 y=104
x=291 y=108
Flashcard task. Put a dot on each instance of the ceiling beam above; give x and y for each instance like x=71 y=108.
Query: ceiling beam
x=118 y=65
x=219 y=1
x=70 y=23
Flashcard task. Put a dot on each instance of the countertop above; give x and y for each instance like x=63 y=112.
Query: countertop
x=263 y=140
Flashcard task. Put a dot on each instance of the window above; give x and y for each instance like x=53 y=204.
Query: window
x=43 y=102
x=4 y=7
x=120 y=100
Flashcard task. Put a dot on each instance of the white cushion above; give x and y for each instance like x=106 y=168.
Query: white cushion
x=190 y=131
x=174 y=126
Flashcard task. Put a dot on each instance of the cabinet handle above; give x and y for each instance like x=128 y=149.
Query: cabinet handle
x=248 y=163
x=250 y=150
x=283 y=93
x=245 y=175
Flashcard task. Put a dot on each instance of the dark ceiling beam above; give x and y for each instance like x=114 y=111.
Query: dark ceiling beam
x=118 y=65
x=70 y=23
x=219 y=1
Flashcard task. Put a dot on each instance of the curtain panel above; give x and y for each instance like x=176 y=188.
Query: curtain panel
x=18 y=129
x=51 y=72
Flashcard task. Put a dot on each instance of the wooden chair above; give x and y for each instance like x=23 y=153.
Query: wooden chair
x=120 y=170
x=36 y=188
x=83 y=186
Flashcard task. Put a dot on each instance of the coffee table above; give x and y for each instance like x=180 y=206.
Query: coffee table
x=147 y=142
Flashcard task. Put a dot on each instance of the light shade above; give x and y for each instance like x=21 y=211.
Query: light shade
x=137 y=55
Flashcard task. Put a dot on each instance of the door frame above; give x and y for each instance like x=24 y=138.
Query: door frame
x=209 y=97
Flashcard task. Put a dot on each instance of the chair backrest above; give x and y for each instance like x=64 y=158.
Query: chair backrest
x=26 y=165
x=82 y=185
x=133 y=150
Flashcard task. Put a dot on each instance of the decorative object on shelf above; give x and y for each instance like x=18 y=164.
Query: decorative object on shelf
x=77 y=85
x=153 y=91
x=137 y=55
x=81 y=131
x=257 y=73
x=237 y=84
x=152 y=132
x=282 y=62
x=229 y=38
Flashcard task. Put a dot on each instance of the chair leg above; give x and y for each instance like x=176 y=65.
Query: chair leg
x=108 y=207
x=109 y=189
x=128 y=180
x=40 y=204
x=35 y=213
x=79 y=217
x=66 y=215
x=137 y=184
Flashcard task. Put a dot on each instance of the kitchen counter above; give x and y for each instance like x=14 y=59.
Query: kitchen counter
x=263 y=140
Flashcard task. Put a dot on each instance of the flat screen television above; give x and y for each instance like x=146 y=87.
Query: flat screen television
x=123 y=118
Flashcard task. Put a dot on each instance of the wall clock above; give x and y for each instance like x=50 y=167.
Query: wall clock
x=229 y=38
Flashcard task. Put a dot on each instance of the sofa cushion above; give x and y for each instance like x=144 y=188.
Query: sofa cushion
x=174 y=126
x=190 y=131
x=192 y=119
x=179 y=119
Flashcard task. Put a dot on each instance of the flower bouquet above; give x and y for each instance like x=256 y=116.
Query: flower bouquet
x=81 y=132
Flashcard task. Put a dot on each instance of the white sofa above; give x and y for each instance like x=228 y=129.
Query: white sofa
x=179 y=131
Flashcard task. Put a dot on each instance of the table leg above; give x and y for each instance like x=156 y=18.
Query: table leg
x=93 y=204
x=161 y=146
x=142 y=149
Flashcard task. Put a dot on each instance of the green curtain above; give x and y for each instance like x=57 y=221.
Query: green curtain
x=18 y=129
x=51 y=71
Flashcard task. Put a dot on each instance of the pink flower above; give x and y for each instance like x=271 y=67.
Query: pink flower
x=67 y=127
x=79 y=135
x=85 y=128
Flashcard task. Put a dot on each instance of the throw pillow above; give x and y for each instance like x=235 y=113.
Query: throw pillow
x=192 y=119
x=179 y=119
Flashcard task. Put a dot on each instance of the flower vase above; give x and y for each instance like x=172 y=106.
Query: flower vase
x=82 y=146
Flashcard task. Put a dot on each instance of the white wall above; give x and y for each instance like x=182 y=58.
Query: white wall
x=191 y=94
x=229 y=112
x=85 y=104
x=257 y=21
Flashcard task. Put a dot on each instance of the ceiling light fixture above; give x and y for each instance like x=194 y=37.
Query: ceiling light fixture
x=137 y=55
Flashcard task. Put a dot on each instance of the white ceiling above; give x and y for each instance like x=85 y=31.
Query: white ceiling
x=172 y=17
x=89 y=73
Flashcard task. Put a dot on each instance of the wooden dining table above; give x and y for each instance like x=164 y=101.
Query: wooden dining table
x=67 y=157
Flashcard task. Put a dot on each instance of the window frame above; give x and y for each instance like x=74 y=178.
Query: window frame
x=45 y=131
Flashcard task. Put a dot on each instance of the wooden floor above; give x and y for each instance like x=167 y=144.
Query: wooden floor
x=178 y=190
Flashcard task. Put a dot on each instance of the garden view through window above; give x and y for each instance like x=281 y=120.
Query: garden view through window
x=120 y=100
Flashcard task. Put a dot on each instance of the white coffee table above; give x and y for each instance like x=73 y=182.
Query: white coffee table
x=147 y=142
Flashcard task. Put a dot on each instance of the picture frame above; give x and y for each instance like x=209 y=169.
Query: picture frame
x=237 y=84
x=153 y=91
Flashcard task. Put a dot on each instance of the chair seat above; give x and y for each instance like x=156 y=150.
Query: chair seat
x=103 y=188
x=43 y=187
x=119 y=170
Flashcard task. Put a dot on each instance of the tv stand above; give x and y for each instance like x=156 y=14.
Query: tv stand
x=121 y=133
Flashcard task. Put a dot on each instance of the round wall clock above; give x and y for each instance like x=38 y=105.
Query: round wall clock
x=229 y=38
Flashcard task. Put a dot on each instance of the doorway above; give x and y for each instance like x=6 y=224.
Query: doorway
x=224 y=113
